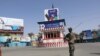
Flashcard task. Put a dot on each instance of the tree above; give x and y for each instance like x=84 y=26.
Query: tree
x=30 y=34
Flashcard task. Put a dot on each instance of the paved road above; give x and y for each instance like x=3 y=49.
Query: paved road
x=82 y=49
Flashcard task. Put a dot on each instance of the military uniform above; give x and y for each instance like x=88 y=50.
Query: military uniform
x=70 y=37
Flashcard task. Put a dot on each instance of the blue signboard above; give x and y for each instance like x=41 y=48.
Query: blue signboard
x=52 y=14
x=53 y=25
x=88 y=34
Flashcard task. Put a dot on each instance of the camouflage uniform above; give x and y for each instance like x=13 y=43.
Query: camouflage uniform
x=71 y=40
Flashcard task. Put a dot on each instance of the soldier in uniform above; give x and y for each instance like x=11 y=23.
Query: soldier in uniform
x=70 y=37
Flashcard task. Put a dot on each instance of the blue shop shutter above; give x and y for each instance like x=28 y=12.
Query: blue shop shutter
x=3 y=38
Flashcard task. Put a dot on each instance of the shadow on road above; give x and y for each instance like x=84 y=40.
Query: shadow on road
x=95 y=53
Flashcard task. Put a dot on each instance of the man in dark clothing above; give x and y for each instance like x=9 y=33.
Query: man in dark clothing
x=7 y=42
x=81 y=36
x=94 y=35
x=70 y=37
x=40 y=41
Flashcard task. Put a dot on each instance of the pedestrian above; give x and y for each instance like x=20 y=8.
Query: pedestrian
x=70 y=37
x=94 y=35
x=81 y=36
x=40 y=41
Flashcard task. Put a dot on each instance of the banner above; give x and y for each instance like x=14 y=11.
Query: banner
x=11 y=23
x=51 y=14
x=52 y=25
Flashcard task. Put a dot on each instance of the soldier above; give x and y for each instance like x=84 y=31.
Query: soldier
x=71 y=40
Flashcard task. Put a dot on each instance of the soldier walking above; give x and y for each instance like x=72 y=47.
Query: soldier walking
x=70 y=37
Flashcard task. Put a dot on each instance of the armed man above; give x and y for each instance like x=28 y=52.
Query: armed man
x=70 y=37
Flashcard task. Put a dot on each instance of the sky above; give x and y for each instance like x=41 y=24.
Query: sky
x=79 y=14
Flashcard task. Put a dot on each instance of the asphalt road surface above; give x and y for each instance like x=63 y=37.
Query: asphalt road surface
x=82 y=49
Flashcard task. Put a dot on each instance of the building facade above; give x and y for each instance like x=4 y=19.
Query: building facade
x=11 y=28
x=52 y=29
